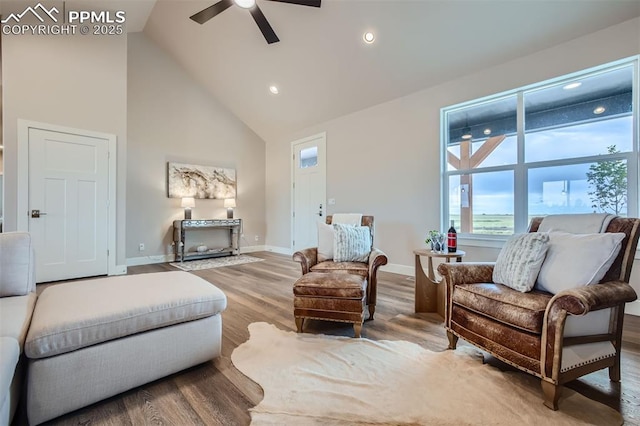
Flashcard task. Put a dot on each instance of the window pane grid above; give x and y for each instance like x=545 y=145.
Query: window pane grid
x=569 y=152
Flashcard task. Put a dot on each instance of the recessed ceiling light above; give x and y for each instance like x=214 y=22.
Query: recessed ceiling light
x=368 y=37
x=573 y=85
x=274 y=89
x=599 y=110
x=245 y=4
x=487 y=132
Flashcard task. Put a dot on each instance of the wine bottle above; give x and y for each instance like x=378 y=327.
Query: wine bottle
x=452 y=239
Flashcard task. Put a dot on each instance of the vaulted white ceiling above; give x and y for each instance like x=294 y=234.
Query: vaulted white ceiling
x=323 y=68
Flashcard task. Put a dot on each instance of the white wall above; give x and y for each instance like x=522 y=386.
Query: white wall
x=385 y=160
x=74 y=81
x=173 y=118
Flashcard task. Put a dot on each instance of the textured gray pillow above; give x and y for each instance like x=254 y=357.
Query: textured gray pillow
x=351 y=243
x=520 y=260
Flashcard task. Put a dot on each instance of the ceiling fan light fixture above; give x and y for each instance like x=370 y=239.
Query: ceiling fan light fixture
x=245 y=4
x=573 y=85
x=369 y=37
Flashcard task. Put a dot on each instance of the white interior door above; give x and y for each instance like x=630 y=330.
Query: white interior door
x=309 y=189
x=68 y=204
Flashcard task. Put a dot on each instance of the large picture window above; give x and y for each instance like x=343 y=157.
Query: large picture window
x=565 y=146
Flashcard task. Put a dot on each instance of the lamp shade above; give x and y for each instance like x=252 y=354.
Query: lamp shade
x=230 y=202
x=188 y=202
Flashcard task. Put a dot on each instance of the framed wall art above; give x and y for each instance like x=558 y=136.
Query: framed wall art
x=189 y=180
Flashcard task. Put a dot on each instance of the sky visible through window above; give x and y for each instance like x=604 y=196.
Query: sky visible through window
x=557 y=189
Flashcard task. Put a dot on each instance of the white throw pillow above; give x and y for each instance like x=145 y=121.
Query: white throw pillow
x=351 y=243
x=520 y=259
x=577 y=260
x=325 y=241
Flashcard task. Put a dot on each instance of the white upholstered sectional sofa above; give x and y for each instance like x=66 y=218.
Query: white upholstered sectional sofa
x=17 y=301
x=83 y=341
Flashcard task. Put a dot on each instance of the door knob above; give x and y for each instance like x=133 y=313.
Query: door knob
x=37 y=213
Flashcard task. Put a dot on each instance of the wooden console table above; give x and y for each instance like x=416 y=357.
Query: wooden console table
x=429 y=294
x=181 y=227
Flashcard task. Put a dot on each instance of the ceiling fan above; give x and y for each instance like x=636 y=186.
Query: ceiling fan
x=268 y=33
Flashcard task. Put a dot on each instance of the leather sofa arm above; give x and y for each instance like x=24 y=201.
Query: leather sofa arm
x=377 y=258
x=467 y=272
x=581 y=300
x=306 y=258
x=576 y=301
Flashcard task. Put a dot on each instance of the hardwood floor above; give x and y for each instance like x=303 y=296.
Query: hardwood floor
x=215 y=393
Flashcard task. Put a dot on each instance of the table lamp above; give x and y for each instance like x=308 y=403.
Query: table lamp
x=188 y=203
x=230 y=203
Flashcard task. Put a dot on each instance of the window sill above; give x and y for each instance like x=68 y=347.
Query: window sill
x=481 y=241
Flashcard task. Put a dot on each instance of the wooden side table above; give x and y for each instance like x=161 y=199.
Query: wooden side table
x=429 y=295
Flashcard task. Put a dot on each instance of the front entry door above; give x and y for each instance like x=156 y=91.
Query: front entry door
x=68 y=204
x=309 y=190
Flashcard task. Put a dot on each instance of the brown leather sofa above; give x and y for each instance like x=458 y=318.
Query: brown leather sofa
x=308 y=259
x=527 y=330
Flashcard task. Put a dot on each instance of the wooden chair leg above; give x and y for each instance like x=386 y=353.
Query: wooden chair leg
x=357 y=328
x=551 y=394
x=453 y=340
x=614 y=372
x=372 y=310
x=299 y=323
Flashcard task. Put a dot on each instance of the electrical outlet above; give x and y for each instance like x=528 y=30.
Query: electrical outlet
x=141 y=247
x=257 y=238
x=332 y=201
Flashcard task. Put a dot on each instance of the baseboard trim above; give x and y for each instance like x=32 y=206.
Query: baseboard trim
x=148 y=260
x=633 y=308
x=398 y=269
x=279 y=250
x=251 y=249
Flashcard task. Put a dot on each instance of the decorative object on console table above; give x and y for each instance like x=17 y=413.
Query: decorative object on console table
x=188 y=203
x=181 y=227
x=230 y=203
x=429 y=292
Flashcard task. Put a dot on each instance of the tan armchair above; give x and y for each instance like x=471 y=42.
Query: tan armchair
x=308 y=259
x=557 y=338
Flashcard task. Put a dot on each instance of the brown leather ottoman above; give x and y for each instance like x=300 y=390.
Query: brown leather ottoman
x=333 y=296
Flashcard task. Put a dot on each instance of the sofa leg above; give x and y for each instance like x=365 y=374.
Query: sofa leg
x=453 y=340
x=357 y=328
x=299 y=323
x=372 y=310
x=551 y=394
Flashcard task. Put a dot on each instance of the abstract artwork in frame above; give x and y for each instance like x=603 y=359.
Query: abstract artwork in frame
x=189 y=180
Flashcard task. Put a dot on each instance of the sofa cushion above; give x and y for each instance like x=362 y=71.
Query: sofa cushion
x=504 y=304
x=351 y=243
x=78 y=314
x=15 y=316
x=358 y=268
x=520 y=259
x=330 y=285
x=576 y=260
x=17 y=265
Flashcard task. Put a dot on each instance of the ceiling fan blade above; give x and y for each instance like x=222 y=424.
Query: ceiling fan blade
x=263 y=24
x=314 y=3
x=208 y=13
